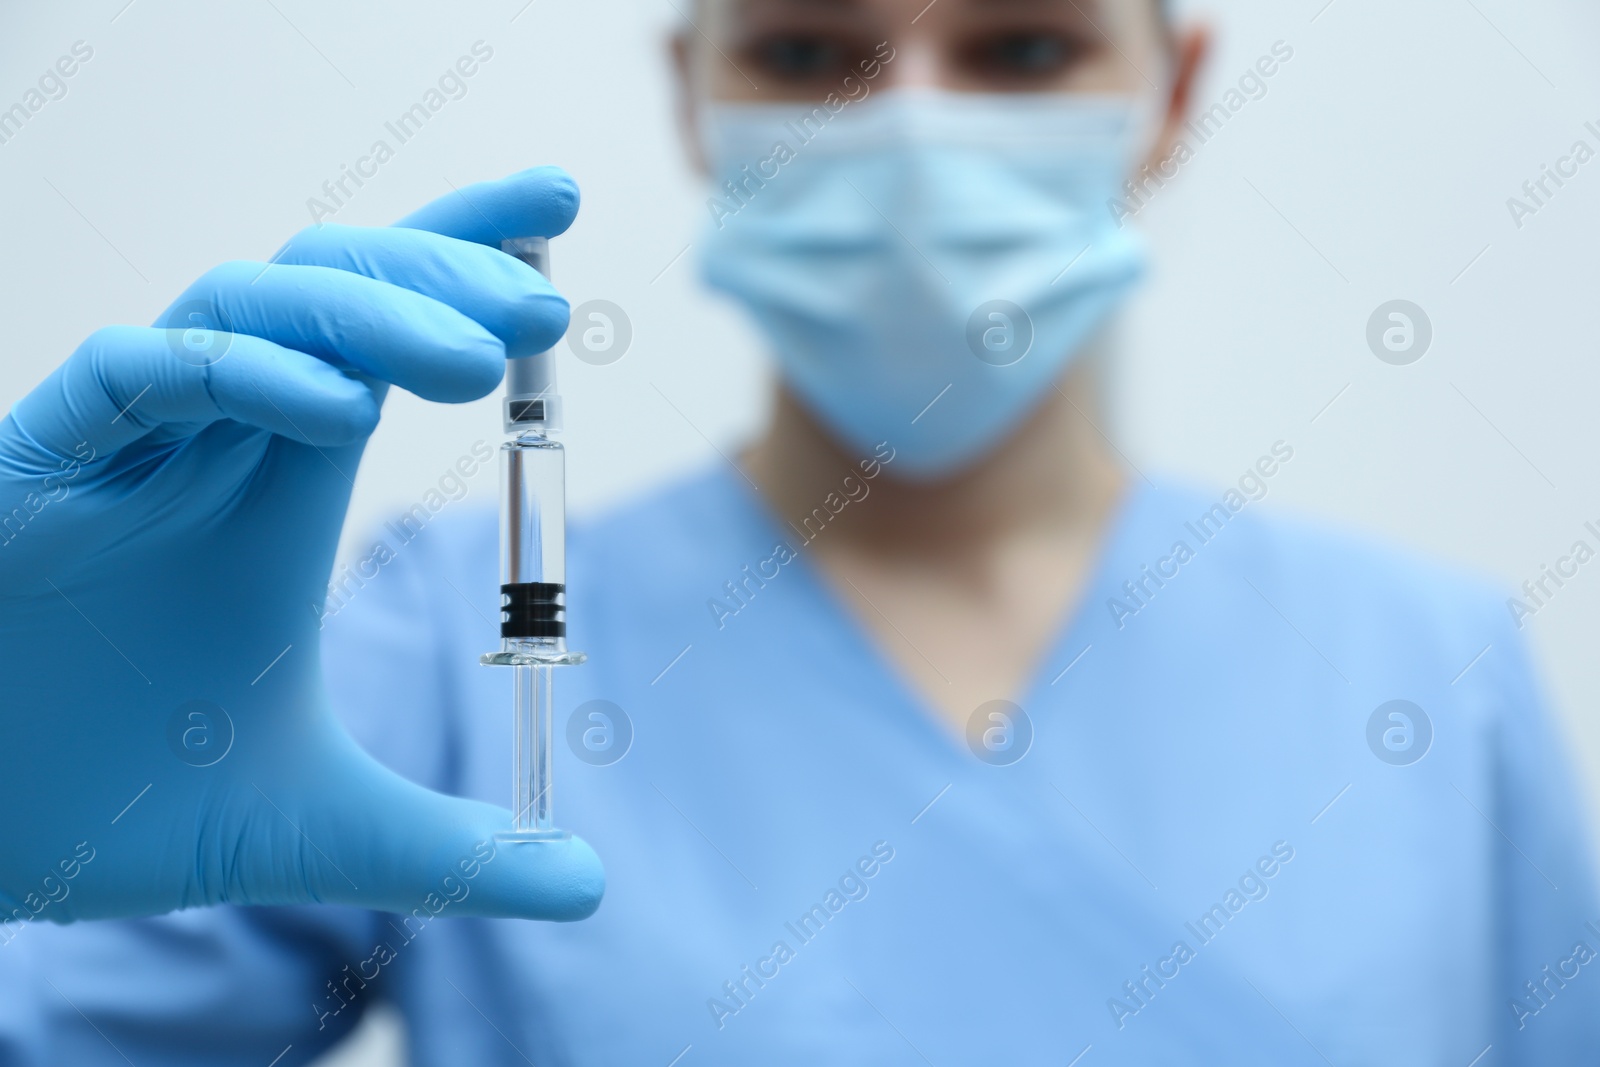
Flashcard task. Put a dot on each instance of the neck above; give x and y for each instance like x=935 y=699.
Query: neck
x=1054 y=477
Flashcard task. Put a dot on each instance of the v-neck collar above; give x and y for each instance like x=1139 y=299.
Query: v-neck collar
x=1069 y=633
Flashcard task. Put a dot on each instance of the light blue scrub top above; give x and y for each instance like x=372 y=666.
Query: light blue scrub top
x=1199 y=860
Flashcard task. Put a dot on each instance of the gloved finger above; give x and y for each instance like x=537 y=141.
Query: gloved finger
x=540 y=202
x=501 y=293
x=125 y=380
x=387 y=843
x=350 y=320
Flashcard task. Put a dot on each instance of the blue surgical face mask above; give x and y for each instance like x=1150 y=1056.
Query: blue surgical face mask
x=923 y=263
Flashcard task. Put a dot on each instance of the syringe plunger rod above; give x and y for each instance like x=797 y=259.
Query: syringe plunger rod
x=531 y=399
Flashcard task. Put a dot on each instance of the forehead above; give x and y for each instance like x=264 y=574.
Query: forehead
x=917 y=10
x=1112 y=17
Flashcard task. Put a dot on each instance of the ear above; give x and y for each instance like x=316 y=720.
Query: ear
x=1191 y=45
x=688 y=101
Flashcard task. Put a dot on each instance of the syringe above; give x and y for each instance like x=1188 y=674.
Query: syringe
x=533 y=628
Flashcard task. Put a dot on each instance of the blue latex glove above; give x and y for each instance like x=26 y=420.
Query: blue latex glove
x=170 y=504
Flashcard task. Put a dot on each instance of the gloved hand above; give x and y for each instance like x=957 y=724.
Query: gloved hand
x=170 y=504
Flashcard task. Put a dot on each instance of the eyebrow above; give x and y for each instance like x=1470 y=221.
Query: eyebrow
x=837 y=5
x=1089 y=8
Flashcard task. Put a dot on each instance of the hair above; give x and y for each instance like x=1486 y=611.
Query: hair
x=1163 y=9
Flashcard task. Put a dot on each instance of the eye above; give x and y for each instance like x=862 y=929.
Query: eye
x=1026 y=55
x=797 y=57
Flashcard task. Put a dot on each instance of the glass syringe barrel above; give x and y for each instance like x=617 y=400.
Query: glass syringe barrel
x=532 y=567
x=533 y=563
x=532 y=611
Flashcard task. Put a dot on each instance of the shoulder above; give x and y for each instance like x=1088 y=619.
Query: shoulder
x=1324 y=560
x=1386 y=613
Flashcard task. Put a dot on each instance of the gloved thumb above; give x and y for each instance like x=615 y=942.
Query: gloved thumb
x=370 y=838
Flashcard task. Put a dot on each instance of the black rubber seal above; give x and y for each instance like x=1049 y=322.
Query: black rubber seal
x=533 y=609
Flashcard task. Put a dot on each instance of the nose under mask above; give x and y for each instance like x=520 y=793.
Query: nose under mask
x=924 y=264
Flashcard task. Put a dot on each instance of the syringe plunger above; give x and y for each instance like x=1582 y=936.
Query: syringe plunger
x=531 y=400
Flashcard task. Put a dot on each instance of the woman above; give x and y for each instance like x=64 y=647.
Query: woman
x=919 y=733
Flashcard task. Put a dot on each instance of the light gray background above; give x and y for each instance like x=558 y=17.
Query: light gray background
x=1376 y=167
